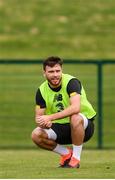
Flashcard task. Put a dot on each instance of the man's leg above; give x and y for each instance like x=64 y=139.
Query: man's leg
x=45 y=138
x=40 y=138
x=77 y=129
x=78 y=125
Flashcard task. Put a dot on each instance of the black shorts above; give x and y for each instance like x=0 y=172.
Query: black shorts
x=63 y=132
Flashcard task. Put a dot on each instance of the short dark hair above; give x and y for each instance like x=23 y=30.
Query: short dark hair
x=52 y=61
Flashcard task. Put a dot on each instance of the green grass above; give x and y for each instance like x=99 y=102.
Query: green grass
x=38 y=164
x=73 y=29
x=36 y=29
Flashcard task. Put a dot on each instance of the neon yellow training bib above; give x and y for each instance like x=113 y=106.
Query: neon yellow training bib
x=58 y=101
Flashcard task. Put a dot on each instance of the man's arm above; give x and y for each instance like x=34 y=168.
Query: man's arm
x=74 y=108
x=38 y=112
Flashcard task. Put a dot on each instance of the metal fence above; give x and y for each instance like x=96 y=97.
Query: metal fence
x=100 y=64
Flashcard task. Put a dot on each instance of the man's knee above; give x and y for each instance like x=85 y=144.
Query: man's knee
x=37 y=135
x=76 y=121
x=79 y=120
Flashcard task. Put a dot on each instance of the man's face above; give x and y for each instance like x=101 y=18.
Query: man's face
x=53 y=75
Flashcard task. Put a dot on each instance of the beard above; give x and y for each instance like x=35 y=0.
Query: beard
x=55 y=82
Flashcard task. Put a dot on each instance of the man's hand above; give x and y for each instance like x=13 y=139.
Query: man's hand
x=44 y=121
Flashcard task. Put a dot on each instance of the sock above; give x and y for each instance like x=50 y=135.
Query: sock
x=77 y=151
x=62 y=150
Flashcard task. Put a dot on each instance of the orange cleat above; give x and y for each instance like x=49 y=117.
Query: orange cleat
x=64 y=160
x=74 y=163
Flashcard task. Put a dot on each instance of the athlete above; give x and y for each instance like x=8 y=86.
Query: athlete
x=63 y=114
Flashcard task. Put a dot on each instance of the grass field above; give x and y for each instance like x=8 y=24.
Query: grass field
x=38 y=164
x=35 y=29
x=73 y=29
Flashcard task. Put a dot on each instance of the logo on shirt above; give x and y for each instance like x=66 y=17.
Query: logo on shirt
x=58 y=104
